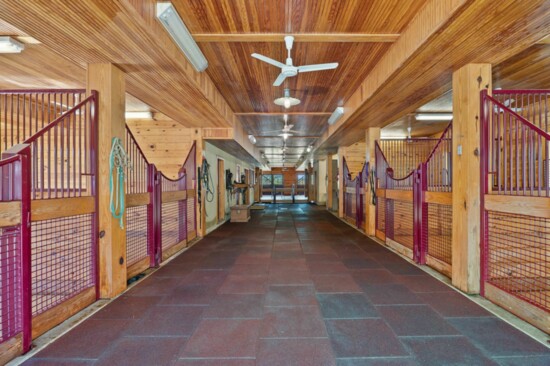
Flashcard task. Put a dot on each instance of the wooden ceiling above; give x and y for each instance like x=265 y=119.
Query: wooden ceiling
x=356 y=33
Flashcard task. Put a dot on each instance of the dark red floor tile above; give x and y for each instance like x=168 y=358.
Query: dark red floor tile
x=346 y=306
x=438 y=351
x=223 y=338
x=168 y=321
x=523 y=360
x=363 y=338
x=155 y=286
x=423 y=284
x=127 y=307
x=453 y=304
x=416 y=320
x=287 y=254
x=302 y=352
x=215 y=362
x=205 y=277
x=236 y=306
x=143 y=351
x=390 y=294
x=295 y=321
x=361 y=263
x=174 y=270
x=497 y=338
x=190 y=295
x=289 y=277
x=244 y=284
x=250 y=269
x=57 y=362
x=290 y=296
x=377 y=361
x=322 y=258
x=337 y=283
x=327 y=268
x=294 y=264
x=373 y=277
x=89 y=340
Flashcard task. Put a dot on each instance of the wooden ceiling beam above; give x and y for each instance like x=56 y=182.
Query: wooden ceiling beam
x=298 y=37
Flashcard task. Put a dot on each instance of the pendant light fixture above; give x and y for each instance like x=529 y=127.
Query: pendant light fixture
x=287 y=101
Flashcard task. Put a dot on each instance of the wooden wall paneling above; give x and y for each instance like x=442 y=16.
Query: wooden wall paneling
x=468 y=81
x=108 y=80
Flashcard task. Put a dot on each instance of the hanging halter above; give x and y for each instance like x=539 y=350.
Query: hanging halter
x=118 y=160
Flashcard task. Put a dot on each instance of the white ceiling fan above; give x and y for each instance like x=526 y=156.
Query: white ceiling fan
x=507 y=103
x=288 y=69
x=287 y=129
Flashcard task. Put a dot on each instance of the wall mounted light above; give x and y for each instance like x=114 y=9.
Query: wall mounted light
x=286 y=100
x=252 y=139
x=10 y=45
x=138 y=115
x=434 y=116
x=170 y=19
x=309 y=148
x=336 y=115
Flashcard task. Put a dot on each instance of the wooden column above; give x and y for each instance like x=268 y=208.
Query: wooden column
x=468 y=81
x=257 y=184
x=341 y=188
x=201 y=208
x=109 y=81
x=329 y=182
x=371 y=136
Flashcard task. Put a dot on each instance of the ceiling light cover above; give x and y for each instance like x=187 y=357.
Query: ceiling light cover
x=336 y=115
x=287 y=101
x=434 y=117
x=170 y=19
x=252 y=139
x=138 y=115
x=10 y=45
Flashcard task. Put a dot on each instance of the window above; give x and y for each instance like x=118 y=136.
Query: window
x=278 y=180
x=301 y=178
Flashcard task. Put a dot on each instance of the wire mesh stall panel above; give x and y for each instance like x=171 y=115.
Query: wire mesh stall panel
x=437 y=205
x=14 y=302
x=190 y=167
x=64 y=221
x=139 y=212
x=173 y=214
x=515 y=217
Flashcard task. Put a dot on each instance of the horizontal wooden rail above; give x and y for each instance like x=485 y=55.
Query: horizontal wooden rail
x=138 y=199
x=10 y=213
x=61 y=207
x=399 y=195
x=519 y=205
x=441 y=198
x=173 y=196
x=380 y=192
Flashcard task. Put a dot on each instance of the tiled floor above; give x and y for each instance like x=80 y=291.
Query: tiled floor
x=294 y=286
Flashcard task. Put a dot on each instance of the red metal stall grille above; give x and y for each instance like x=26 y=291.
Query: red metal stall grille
x=190 y=167
x=439 y=232
x=517 y=256
x=28 y=111
x=173 y=224
x=533 y=105
x=438 y=164
x=137 y=174
x=137 y=234
x=381 y=214
x=402 y=223
x=191 y=215
x=10 y=283
x=63 y=260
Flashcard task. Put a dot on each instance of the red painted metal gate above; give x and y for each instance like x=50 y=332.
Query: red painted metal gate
x=354 y=196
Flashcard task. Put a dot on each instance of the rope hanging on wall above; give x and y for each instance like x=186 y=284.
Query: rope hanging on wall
x=372 y=177
x=118 y=160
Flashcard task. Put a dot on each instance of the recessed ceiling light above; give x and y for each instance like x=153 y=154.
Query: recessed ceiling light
x=10 y=45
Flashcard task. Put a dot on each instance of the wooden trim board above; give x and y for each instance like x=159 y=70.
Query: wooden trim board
x=399 y=248
x=530 y=313
x=380 y=235
x=439 y=266
x=61 y=207
x=56 y=315
x=399 y=195
x=11 y=348
x=174 y=196
x=138 y=199
x=10 y=213
x=381 y=192
x=191 y=235
x=441 y=198
x=138 y=267
x=173 y=249
x=519 y=205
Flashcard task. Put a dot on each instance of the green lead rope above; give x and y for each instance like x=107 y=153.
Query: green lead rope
x=372 y=177
x=118 y=160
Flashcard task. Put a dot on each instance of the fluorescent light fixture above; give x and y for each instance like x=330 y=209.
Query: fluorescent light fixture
x=309 y=148
x=434 y=116
x=336 y=115
x=138 y=115
x=287 y=101
x=252 y=139
x=170 y=19
x=10 y=45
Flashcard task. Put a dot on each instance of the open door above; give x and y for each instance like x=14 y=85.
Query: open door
x=221 y=190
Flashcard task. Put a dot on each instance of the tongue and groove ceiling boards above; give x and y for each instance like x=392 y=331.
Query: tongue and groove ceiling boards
x=394 y=56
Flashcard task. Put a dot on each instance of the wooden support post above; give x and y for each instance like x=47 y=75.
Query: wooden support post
x=371 y=136
x=257 y=184
x=341 y=188
x=468 y=81
x=109 y=81
x=201 y=207
x=329 y=182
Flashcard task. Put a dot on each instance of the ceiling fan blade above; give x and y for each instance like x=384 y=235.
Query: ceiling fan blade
x=268 y=60
x=279 y=80
x=290 y=127
x=318 y=67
